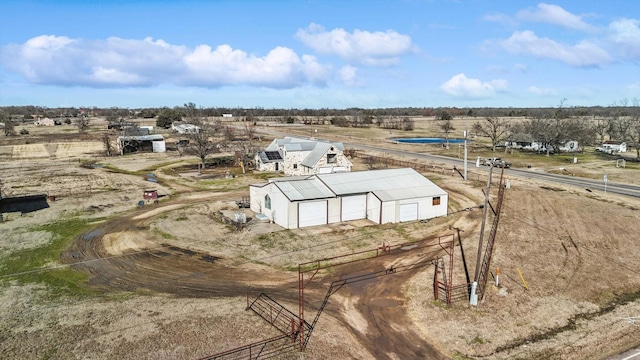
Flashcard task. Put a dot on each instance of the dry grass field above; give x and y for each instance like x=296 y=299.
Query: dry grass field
x=96 y=277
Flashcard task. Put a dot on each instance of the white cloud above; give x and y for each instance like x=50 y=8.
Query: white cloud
x=542 y=91
x=503 y=19
x=522 y=68
x=349 y=76
x=556 y=15
x=369 y=48
x=464 y=87
x=624 y=36
x=115 y=62
x=582 y=54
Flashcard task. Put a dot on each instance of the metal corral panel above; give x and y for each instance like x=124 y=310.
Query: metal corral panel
x=409 y=212
x=304 y=189
x=312 y=213
x=354 y=207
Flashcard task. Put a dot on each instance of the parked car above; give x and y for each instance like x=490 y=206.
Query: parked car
x=496 y=162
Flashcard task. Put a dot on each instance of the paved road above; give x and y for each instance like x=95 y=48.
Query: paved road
x=590 y=184
x=586 y=184
x=633 y=354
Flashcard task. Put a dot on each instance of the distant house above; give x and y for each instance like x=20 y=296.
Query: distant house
x=612 y=147
x=44 y=122
x=296 y=156
x=184 y=128
x=227 y=115
x=526 y=142
x=381 y=196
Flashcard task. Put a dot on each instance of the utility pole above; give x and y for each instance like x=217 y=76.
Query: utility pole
x=465 y=155
x=474 y=296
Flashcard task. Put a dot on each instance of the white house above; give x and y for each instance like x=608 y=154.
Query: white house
x=382 y=196
x=521 y=143
x=183 y=128
x=44 y=122
x=296 y=156
x=611 y=147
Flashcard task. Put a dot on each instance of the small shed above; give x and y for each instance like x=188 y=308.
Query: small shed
x=143 y=143
x=150 y=194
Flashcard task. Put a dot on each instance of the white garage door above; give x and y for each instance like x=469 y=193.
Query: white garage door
x=354 y=207
x=312 y=213
x=409 y=212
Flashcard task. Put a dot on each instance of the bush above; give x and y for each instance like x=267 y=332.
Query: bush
x=24 y=131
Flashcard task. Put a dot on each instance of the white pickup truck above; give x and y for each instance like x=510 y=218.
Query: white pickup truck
x=496 y=162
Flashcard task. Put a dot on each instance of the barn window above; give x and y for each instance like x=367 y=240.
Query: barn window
x=267 y=202
x=331 y=159
x=295 y=166
x=436 y=200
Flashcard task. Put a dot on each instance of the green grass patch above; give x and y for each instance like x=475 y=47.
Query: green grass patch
x=165 y=235
x=29 y=266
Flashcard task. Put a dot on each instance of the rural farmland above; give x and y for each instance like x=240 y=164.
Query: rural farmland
x=103 y=273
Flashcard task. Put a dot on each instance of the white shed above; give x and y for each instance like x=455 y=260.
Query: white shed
x=382 y=196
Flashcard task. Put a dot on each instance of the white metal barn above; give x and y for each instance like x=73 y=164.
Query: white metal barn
x=382 y=196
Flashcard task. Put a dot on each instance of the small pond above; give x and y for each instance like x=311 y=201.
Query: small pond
x=427 y=140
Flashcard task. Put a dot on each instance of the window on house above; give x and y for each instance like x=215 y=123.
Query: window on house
x=267 y=202
x=295 y=166
x=436 y=201
x=332 y=159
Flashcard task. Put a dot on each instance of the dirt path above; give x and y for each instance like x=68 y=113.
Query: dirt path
x=119 y=255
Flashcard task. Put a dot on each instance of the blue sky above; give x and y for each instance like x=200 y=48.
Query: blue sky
x=319 y=54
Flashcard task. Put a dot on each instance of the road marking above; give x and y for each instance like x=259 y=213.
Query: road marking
x=632 y=356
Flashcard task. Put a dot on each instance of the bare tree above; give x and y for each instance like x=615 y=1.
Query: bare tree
x=108 y=147
x=599 y=127
x=82 y=123
x=201 y=143
x=446 y=126
x=495 y=128
x=9 y=127
x=635 y=127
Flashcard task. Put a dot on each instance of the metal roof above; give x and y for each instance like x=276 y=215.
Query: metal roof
x=142 y=137
x=308 y=189
x=316 y=148
x=390 y=184
x=316 y=154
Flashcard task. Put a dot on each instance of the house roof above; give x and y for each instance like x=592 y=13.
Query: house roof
x=387 y=185
x=316 y=148
x=142 y=137
x=390 y=184
x=613 y=143
x=270 y=156
x=316 y=154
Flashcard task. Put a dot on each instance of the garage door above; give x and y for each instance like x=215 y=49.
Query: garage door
x=312 y=213
x=354 y=207
x=409 y=212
